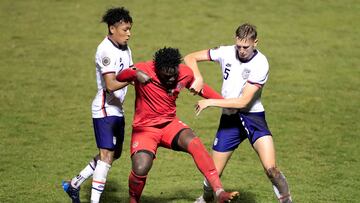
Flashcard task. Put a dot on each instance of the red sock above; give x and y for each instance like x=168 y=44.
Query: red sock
x=136 y=186
x=204 y=163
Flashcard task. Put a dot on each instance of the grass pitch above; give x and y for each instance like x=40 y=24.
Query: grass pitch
x=312 y=99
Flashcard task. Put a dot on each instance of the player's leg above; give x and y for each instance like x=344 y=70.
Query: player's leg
x=262 y=141
x=186 y=141
x=72 y=187
x=220 y=161
x=141 y=164
x=229 y=135
x=265 y=149
x=144 y=142
x=109 y=133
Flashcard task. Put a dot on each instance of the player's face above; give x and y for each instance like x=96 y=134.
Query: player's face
x=245 y=48
x=168 y=78
x=120 y=32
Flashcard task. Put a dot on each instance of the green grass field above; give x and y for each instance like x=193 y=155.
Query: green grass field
x=312 y=97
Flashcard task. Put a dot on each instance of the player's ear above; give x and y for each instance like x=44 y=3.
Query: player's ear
x=112 y=29
x=255 y=42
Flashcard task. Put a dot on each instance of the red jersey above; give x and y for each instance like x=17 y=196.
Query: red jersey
x=154 y=105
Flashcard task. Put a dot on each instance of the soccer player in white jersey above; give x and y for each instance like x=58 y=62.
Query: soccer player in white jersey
x=245 y=71
x=112 y=56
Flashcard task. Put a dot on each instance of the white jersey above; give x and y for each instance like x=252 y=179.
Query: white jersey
x=237 y=73
x=109 y=58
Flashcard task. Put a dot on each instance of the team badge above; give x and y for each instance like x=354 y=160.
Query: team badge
x=135 y=144
x=245 y=74
x=215 y=141
x=106 y=61
x=114 y=140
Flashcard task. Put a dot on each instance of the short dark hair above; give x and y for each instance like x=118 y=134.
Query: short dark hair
x=246 y=30
x=167 y=58
x=115 y=15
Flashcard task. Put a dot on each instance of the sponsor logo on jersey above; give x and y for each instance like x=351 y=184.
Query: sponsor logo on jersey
x=105 y=61
x=245 y=74
x=228 y=65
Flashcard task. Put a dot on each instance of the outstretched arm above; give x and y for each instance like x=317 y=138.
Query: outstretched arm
x=191 y=61
x=242 y=102
x=209 y=93
x=132 y=74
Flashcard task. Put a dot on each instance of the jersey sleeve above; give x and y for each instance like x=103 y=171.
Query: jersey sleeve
x=126 y=75
x=106 y=61
x=209 y=93
x=215 y=53
x=260 y=73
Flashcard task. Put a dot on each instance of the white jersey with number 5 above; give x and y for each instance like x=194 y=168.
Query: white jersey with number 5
x=237 y=73
x=109 y=58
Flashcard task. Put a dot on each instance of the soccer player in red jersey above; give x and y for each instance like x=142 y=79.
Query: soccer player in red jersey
x=157 y=85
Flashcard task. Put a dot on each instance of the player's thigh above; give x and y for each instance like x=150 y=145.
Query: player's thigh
x=109 y=132
x=145 y=139
x=176 y=134
x=230 y=133
x=221 y=159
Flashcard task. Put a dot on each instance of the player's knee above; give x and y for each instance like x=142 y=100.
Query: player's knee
x=142 y=162
x=273 y=172
x=106 y=156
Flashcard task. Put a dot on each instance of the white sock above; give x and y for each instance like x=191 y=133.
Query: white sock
x=99 y=180
x=84 y=174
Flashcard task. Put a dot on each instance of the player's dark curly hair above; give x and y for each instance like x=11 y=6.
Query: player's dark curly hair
x=167 y=58
x=115 y=15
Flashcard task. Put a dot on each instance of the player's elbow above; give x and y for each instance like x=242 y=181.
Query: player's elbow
x=188 y=59
x=109 y=89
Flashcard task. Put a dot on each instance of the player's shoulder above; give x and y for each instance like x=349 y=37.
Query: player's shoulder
x=260 y=57
x=185 y=70
x=105 y=48
x=104 y=44
x=223 y=48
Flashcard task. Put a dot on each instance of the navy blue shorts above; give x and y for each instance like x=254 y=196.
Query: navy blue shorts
x=109 y=132
x=235 y=128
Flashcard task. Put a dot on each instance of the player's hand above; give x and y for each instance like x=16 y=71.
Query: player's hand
x=197 y=86
x=201 y=105
x=142 y=77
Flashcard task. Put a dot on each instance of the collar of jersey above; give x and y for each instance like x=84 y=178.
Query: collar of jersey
x=121 y=47
x=246 y=61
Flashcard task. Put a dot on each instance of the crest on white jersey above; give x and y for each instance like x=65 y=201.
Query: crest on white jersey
x=105 y=61
x=245 y=74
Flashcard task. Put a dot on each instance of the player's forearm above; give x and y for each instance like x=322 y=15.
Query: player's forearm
x=237 y=103
x=112 y=84
x=209 y=93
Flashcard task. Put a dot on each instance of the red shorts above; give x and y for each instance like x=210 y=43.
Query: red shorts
x=149 y=138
